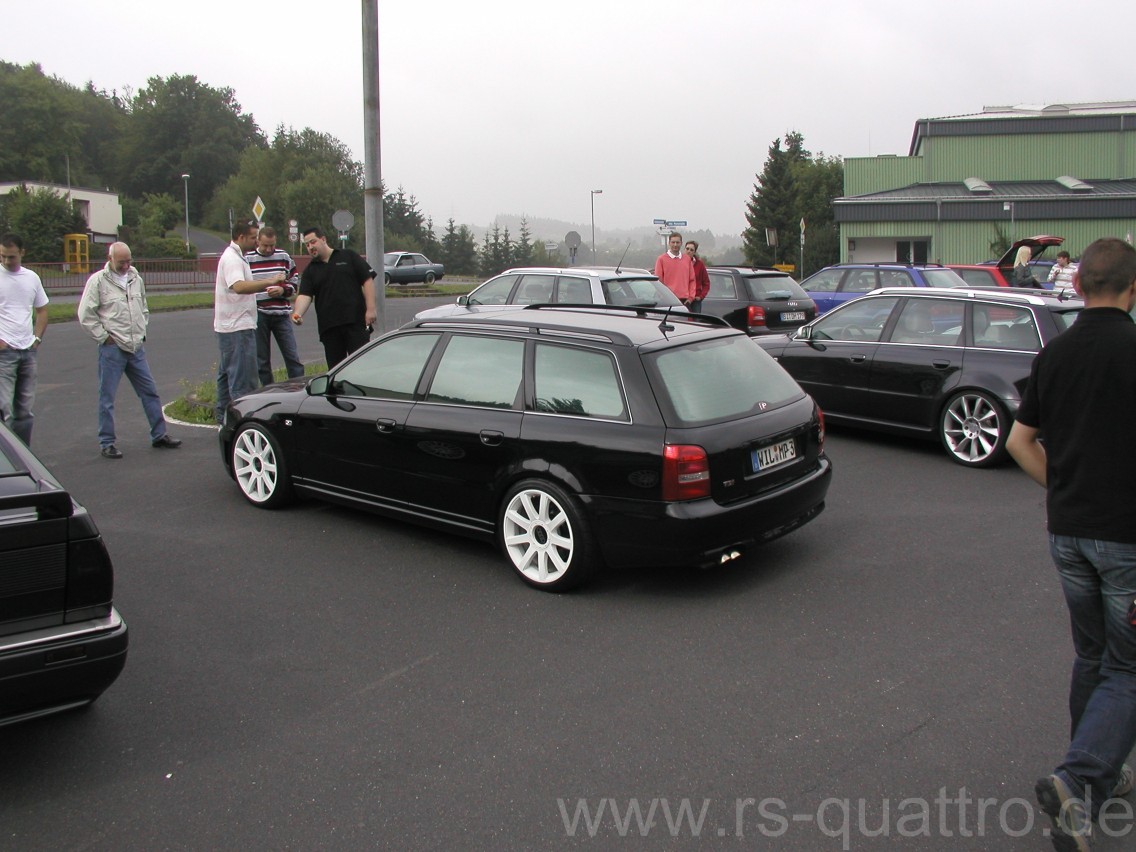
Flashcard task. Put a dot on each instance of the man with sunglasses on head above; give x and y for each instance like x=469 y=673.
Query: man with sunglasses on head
x=701 y=276
x=234 y=316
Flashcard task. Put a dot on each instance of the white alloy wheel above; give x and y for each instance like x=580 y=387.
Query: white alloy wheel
x=545 y=537
x=259 y=468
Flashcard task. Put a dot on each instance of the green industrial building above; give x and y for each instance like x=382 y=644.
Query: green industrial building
x=1007 y=172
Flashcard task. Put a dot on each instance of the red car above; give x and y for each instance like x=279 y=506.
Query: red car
x=997 y=272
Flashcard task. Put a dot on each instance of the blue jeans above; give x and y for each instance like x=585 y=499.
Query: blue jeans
x=236 y=369
x=17 y=391
x=113 y=362
x=280 y=327
x=1099 y=581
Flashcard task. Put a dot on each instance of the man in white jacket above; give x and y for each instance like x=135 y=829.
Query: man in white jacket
x=113 y=310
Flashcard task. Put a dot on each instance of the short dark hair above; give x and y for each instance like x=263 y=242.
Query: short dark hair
x=1108 y=267
x=267 y=232
x=1063 y=254
x=317 y=231
x=242 y=228
x=12 y=241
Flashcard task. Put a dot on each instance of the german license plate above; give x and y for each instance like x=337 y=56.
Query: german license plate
x=790 y=316
x=773 y=455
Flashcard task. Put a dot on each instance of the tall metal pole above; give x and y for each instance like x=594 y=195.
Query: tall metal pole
x=372 y=163
x=595 y=192
x=186 y=179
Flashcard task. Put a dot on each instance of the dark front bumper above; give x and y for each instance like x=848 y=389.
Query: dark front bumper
x=58 y=668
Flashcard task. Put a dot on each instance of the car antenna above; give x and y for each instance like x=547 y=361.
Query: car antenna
x=623 y=256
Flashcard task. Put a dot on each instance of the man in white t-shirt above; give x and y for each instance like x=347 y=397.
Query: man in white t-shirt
x=234 y=317
x=23 y=320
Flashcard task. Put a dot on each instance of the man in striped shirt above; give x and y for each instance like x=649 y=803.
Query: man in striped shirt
x=274 y=313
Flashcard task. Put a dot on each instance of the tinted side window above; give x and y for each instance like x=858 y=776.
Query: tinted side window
x=863 y=319
x=935 y=322
x=722 y=286
x=895 y=278
x=978 y=277
x=825 y=281
x=495 y=291
x=1004 y=327
x=583 y=382
x=860 y=281
x=481 y=371
x=534 y=290
x=576 y=291
x=390 y=370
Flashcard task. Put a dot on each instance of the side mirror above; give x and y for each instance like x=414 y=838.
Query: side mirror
x=805 y=332
x=463 y=300
x=318 y=386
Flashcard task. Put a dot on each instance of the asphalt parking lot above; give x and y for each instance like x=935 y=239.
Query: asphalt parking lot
x=893 y=674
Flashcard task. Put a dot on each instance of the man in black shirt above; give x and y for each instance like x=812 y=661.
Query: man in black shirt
x=1081 y=401
x=342 y=285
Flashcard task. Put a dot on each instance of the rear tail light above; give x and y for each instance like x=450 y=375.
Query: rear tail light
x=820 y=429
x=755 y=316
x=686 y=472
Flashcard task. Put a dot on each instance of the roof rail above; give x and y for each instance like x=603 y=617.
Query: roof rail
x=639 y=310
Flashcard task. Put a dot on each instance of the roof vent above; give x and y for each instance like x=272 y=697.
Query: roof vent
x=978 y=185
x=1075 y=184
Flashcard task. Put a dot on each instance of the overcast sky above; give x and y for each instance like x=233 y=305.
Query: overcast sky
x=520 y=107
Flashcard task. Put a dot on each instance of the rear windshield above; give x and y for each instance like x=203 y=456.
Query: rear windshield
x=943 y=278
x=721 y=379
x=1065 y=319
x=774 y=287
x=640 y=292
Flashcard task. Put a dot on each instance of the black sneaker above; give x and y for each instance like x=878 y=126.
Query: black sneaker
x=110 y=451
x=166 y=443
x=1072 y=826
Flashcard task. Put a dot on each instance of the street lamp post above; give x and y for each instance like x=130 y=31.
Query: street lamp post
x=1009 y=205
x=595 y=192
x=186 y=179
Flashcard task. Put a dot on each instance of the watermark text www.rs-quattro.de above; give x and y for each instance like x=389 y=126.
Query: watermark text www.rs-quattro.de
x=945 y=816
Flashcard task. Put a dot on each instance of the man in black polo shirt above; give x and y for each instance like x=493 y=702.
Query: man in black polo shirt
x=342 y=285
x=1081 y=401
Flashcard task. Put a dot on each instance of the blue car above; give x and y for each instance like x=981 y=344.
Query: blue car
x=835 y=285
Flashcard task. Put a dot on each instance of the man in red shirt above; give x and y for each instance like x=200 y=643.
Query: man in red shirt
x=701 y=276
x=675 y=270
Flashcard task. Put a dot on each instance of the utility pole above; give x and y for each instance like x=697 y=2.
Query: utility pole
x=372 y=164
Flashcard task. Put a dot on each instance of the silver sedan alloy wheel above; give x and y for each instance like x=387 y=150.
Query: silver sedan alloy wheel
x=973 y=428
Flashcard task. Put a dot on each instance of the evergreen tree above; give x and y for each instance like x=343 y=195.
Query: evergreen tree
x=523 y=248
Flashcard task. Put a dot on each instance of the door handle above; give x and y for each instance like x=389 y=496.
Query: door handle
x=385 y=426
x=940 y=365
x=491 y=438
x=857 y=359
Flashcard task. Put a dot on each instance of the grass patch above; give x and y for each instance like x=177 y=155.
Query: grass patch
x=158 y=303
x=197 y=403
x=163 y=302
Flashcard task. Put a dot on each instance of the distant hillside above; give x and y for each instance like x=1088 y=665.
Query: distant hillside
x=642 y=245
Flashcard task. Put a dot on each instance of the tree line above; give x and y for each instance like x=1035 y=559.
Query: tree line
x=139 y=144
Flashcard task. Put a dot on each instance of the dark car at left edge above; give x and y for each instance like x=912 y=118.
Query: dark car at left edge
x=62 y=642
x=575 y=437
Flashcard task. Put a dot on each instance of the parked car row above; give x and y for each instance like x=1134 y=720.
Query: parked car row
x=948 y=364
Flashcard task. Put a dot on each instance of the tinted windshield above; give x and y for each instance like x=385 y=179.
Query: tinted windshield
x=746 y=381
